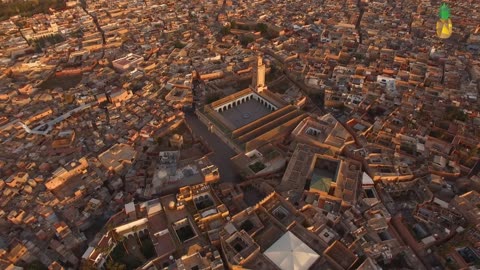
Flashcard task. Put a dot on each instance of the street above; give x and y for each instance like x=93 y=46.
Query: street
x=221 y=152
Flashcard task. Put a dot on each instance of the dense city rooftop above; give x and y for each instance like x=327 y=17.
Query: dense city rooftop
x=231 y=134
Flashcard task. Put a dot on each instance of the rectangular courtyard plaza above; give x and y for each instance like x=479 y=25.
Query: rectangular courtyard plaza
x=324 y=174
x=245 y=113
x=322 y=180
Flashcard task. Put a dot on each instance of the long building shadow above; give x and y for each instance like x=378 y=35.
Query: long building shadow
x=221 y=152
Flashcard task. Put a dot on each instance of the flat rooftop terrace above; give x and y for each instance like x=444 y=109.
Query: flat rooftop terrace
x=245 y=113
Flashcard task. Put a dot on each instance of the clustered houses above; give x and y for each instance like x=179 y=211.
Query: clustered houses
x=240 y=134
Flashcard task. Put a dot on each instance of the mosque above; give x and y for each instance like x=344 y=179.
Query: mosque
x=252 y=117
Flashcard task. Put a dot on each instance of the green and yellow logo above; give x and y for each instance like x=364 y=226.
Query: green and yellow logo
x=444 y=24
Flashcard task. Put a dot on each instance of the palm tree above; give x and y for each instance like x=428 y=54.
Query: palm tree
x=115 y=266
x=117 y=238
x=135 y=231
x=105 y=251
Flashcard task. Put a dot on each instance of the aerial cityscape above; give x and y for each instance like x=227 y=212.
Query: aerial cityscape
x=239 y=134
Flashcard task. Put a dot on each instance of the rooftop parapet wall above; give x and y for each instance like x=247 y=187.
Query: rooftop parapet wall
x=277 y=122
x=256 y=124
x=230 y=98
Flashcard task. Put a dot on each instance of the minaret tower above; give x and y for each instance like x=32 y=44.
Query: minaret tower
x=258 y=78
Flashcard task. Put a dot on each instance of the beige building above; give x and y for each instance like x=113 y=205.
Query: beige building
x=216 y=74
x=19 y=252
x=27 y=90
x=65 y=173
x=118 y=157
x=323 y=131
x=17 y=179
x=179 y=95
x=38 y=115
x=381 y=167
x=314 y=168
x=64 y=139
x=120 y=95
x=270 y=236
x=127 y=62
x=467 y=204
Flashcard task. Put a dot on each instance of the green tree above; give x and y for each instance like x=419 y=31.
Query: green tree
x=78 y=33
x=225 y=30
x=212 y=96
x=263 y=28
x=36 y=265
x=135 y=231
x=159 y=140
x=148 y=250
x=117 y=238
x=106 y=250
x=115 y=265
x=178 y=44
x=245 y=40
x=454 y=113
x=243 y=27
x=474 y=152
x=28 y=7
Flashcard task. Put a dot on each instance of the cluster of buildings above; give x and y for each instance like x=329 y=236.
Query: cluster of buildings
x=239 y=134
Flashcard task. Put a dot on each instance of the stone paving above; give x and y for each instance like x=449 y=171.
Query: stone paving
x=245 y=113
x=221 y=152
